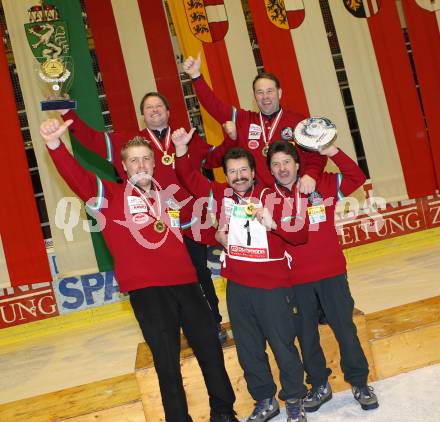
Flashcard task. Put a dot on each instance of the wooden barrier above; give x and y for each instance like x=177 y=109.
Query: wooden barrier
x=405 y=337
x=195 y=387
x=112 y=400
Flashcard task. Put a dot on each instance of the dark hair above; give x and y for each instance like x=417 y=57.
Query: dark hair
x=154 y=94
x=282 y=146
x=236 y=153
x=266 y=75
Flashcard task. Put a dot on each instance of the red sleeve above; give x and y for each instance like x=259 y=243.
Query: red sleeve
x=219 y=110
x=191 y=178
x=352 y=175
x=298 y=232
x=81 y=181
x=92 y=139
x=312 y=163
x=198 y=149
x=297 y=237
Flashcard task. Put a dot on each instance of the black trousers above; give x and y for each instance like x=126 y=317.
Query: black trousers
x=259 y=316
x=199 y=257
x=161 y=312
x=333 y=295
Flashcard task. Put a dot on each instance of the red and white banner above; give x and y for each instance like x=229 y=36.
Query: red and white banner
x=28 y=303
x=295 y=12
x=207 y=19
x=362 y=8
x=23 y=256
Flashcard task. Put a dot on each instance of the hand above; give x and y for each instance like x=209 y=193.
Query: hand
x=306 y=184
x=329 y=150
x=221 y=236
x=192 y=66
x=181 y=139
x=64 y=111
x=231 y=129
x=264 y=217
x=51 y=130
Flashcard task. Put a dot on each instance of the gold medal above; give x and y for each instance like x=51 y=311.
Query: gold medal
x=249 y=209
x=53 y=68
x=265 y=150
x=159 y=226
x=167 y=159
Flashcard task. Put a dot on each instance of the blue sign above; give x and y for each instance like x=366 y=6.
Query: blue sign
x=86 y=291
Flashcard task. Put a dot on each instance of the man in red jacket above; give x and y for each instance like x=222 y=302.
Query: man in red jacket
x=155 y=110
x=255 y=131
x=140 y=225
x=258 y=294
x=319 y=278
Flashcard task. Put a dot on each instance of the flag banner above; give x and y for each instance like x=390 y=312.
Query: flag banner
x=163 y=59
x=108 y=47
x=295 y=12
x=424 y=36
x=279 y=57
x=285 y=14
x=23 y=257
x=207 y=19
x=402 y=100
x=74 y=257
x=88 y=250
x=369 y=101
x=362 y=8
x=430 y=5
x=320 y=81
x=89 y=109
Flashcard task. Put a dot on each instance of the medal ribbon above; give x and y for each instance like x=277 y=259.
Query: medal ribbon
x=274 y=126
x=157 y=142
x=297 y=198
x=149 y=205
x=242 y=198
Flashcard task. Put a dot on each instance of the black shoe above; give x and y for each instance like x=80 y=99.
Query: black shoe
x=224 y=417
x=315 y=398
x=295 y=411
x=264 y=410
x=222 y=334
x=365 y=396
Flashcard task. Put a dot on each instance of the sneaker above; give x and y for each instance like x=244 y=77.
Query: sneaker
x=315 y=398
x=223 y=417
x=365 y=396
x=222 y=334
x=264 y=410
x=295 y=411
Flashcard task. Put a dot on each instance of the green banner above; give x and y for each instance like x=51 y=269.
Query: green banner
x=85 y=92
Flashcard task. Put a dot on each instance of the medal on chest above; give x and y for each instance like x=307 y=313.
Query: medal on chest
x=249 y=209
x=268 y=137
x=167 y=159
x=159 y=226
x=142 y=201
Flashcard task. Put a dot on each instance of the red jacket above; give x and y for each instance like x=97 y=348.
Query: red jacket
x=312 y=163
x=110 y=147
x=321 y=257
x=142 y=257
x=266 y=275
